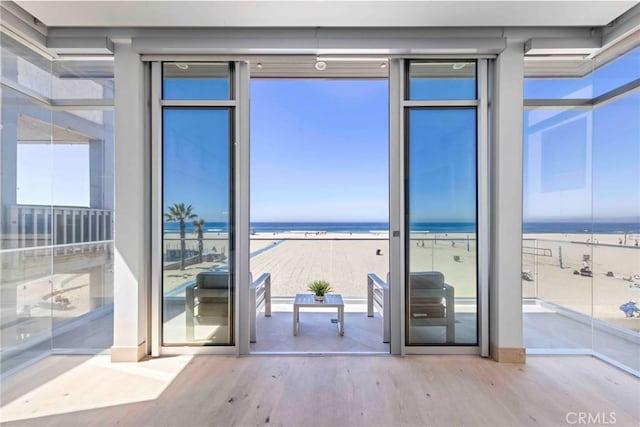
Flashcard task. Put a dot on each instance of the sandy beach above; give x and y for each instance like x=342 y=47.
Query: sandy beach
x=296 y=259
x=615 y=269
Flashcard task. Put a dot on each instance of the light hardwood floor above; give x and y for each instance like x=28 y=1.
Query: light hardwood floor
x=319 y=391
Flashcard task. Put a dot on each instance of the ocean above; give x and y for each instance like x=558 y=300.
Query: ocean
x=431 y=227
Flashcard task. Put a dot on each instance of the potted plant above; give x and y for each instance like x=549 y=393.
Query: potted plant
x=320 y=288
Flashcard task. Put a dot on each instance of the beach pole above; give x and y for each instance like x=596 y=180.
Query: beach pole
x=468 y=250
x=560 y=256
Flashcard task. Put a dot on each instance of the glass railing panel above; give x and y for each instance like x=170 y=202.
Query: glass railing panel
x=616 y=292
x=82 y=296
x=562 y=279
x=25 y=315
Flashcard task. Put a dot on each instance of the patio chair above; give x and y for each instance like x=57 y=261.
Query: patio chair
x=209 y=302
x=431 y=302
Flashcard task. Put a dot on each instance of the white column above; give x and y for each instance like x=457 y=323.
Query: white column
x=132 y=191
x=243 y=276
x=506 y=207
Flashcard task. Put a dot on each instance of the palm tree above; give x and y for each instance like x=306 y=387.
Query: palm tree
x=179 y=213
x=198 y=224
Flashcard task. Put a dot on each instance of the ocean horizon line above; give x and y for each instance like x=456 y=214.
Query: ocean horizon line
x=560 y=227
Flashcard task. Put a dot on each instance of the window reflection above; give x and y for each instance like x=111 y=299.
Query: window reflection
x=442 y=245
x=197 y=243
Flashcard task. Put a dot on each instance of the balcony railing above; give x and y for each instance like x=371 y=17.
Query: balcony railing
x=33 y=225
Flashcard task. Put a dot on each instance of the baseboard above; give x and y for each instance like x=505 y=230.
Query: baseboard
x=508 y=354
x=129 y=354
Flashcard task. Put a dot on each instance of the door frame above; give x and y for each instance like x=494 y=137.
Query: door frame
x=240 y=155
x=397 y=195
x=397 y=215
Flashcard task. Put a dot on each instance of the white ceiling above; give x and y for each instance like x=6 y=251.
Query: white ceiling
x=316 y=13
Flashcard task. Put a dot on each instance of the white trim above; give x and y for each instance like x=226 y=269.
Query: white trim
x=483 y=215
x=197 y=103
x=396 y=204
x=241 y=207
x=440 y=103
x=228 y=350
x=323 y=41
x=249 y=57
x=156 y=210
x=481 y=106
x=444 y=350
x=321 y=353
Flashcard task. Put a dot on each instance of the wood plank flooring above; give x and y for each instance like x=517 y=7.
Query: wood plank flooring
x=319 y=391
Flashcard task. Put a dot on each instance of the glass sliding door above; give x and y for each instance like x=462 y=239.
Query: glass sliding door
x=441 y=184
x=197 y=206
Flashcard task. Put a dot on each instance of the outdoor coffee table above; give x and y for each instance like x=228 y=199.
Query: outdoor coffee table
x=308 y=300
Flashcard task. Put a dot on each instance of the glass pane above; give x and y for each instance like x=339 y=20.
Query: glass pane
x=82 y=194
x=594 y=83
x=442 y=250
x=56 y=278
x=616 y=211
x=26 y=306
x=196 y=80
x=433 y=80
x=25 y=262
x=554 y=88
x=558 y=257
x=197 y=242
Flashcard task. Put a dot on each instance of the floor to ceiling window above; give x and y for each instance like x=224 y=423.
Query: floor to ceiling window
x=441 y=252
x=581 y=259
x=56 y=249
x=197 y=193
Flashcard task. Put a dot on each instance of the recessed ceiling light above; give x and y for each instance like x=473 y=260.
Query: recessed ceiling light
x=259 y=65
x=182 y=65
x=459 y=65
x=321 y=65
x=383 y=65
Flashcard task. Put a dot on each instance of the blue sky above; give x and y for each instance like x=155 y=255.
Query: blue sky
x=196 y=157
x=442 y=165
x=53 y=174
x=319 y=152
x=578 y=163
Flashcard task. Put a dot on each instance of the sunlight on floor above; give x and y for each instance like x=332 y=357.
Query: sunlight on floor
x=90 y=386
